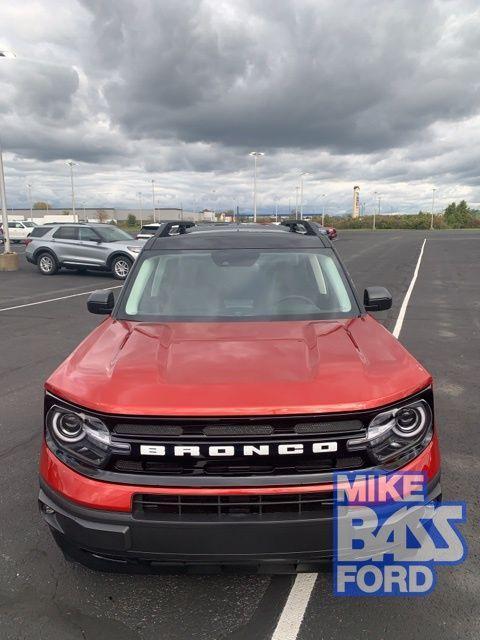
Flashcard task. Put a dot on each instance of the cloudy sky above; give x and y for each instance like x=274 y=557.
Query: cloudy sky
x=380 y=93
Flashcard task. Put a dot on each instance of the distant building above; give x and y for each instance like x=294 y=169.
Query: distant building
x=207 y=215
x=356 y=202
x=108 y=214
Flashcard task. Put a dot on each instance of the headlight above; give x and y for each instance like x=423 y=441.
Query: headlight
x=78 y=435
x=410 y=421
x=134 y=249
x=68 y=427
x=392 y=432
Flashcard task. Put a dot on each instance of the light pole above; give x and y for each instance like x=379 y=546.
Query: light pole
x=140 y=198
x=296 y=202
x=6 y=231
x=72 y=164
x=255 y=154
x=379 y=203
x=433 y=208
x=323 y=208
x=153 y=201
x=302 y=176
x=276 y=199
x=29 y=191
x=3 y=195
x=213 y=198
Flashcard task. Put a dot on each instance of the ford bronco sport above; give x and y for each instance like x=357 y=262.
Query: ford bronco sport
x=202 y=422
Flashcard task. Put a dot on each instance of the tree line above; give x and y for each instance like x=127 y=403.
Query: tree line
x=455 y=216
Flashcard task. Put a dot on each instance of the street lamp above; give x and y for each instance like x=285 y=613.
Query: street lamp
x=72 y=164
x=3 y=196
x=6 y=231
x=296 y=202
x=379 y=203
x=323 y=208
x=213 y=200
x=255 y=154
x=153 y=201
x=140 y=198
x=302 y=176
x=433 y=208
x=29 y=191
x=276 y=199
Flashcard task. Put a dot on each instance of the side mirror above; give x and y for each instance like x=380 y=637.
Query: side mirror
x=101 y=302
x=377 y=299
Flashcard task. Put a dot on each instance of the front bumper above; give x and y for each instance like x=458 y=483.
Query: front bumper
x=124 y=543
x=119 y=542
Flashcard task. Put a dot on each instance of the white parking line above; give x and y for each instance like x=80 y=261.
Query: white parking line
x=73 y=295
x=291 y=618
x=406 y=300
x=289 y=622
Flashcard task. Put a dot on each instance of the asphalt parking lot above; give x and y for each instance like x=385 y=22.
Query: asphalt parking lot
x=41 y=596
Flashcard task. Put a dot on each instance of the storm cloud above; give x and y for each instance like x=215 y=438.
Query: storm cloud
x=384 y=94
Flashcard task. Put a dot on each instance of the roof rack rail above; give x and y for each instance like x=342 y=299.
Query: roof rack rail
x=165 y=227
x=294 y=225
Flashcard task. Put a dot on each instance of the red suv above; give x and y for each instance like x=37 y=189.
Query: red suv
x=203 y=421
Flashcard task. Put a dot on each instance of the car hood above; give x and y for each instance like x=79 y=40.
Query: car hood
x=237 y=368
x=123 y=244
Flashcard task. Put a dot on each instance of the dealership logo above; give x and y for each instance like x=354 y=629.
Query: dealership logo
x=236 y=450
x=389 y=537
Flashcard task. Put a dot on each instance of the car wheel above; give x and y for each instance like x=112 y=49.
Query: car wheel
x=121 y=266
x=47 y=265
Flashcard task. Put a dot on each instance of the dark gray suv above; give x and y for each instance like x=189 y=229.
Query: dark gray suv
x=82 y=246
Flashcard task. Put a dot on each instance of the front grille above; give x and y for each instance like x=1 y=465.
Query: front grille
x=234 y=434
x=238 y=430
x=233 y=428
x=239 y=468
x=222 y=507
x=328 y=427
x=156 y=430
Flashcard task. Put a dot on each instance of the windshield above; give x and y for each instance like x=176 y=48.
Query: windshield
x=149 y=228
x=109 y=233
x=238 y=284
x=29 y=224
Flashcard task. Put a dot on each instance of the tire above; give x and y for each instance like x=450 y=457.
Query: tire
x=121 y=266
x=47 y=264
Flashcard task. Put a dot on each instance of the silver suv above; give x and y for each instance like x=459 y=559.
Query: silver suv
x=82 y=246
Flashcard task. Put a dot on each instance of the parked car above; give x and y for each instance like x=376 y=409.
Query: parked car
x=147 y=231
x=82 y=246
x=332 y=233
x=203 y=421
x=18 y=230
x=300 y=227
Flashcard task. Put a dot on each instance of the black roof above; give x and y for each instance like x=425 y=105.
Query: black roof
x=237 y=236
